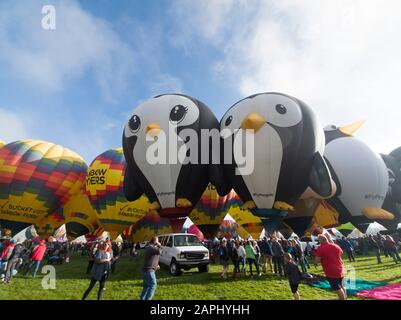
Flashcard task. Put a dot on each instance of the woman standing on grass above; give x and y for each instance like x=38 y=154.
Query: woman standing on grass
x=251 y=257
x=100 y=271
x=224 y=258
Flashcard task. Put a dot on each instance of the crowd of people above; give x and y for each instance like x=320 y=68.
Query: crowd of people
x=286 y=258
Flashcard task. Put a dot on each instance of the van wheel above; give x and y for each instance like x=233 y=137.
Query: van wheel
x=204 y=268
x=174 y=269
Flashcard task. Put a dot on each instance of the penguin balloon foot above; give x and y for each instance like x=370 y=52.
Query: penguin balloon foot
x=281 y=205
x=183 y=203
x=154 y=206
x=377 y=213
x=248 y=205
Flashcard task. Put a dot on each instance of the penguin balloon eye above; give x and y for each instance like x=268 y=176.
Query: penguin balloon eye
x=228 y=121
x=178 y=113
x=281 y=109
x=134 y=123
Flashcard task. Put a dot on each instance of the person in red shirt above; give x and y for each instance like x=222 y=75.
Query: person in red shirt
x=329 y=255
x=36 y=257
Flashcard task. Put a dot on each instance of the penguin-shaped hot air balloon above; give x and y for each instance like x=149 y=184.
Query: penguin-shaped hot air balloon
x=360 y=175
x=392 y=202
x=288 y=152
x=165 y=155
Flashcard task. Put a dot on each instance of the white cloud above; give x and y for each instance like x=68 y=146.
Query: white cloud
x=341 y=57
x=81 y=43
x=11 y=127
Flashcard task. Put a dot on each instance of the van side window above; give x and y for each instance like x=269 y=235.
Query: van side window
x=161 y=240
x=169 y=242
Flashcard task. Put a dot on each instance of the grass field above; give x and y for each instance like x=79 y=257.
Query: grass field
x=126 y=283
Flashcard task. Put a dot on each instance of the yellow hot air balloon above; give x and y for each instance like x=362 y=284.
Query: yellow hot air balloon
x=36 y=179
x=104 y=187
x=2 y=143
x=80 y=216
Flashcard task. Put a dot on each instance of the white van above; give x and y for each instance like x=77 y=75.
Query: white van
x=183 y=251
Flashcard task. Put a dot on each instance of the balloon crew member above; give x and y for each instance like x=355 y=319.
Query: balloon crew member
x=329 y=255
x=6 y=254
x=13 y=261
x=100 y=271
x=36 y=257
x=293 y=274
x=150 y=266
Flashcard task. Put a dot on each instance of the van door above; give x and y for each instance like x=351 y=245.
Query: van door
x=169 y=249
x=163 y=258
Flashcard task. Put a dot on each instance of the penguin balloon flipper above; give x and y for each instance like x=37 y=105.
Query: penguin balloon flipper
x=132 y=191
x=320 y=178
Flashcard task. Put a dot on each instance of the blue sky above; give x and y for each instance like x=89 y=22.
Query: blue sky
x=77 y=85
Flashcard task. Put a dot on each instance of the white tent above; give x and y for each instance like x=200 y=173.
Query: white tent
x=374 y=228
x=355 y=234
x=81 y=239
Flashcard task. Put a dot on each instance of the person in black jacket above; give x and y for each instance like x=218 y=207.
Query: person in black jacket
x=293 y=274
x=278 y=259
x=13 y=261
x=376 y=246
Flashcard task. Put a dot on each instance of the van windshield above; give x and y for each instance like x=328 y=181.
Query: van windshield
x=186 y=241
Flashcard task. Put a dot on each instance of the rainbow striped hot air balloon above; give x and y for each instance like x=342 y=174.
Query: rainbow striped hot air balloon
x=151 y=224
x=36 y=179
x=228 y=229
x=245 y=218
x=210 y=210
x=104 y=187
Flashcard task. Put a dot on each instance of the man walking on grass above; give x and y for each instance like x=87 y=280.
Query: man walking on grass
x=329 y=255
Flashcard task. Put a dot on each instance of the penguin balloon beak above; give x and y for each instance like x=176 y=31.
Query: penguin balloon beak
x=253 y=121
x=350 y=129
x=153 y=129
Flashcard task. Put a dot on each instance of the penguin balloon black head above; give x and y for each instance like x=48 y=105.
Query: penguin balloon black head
x=288 y=147
x=155 y=143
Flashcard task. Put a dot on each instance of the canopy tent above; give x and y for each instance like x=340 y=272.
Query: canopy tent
x=346 y=228
x=81 y=239
x=374 y=228
x=355 y=234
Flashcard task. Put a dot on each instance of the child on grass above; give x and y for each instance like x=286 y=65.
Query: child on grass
x=293 y=274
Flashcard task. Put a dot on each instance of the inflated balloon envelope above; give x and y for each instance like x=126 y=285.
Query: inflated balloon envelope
x=288 y=149
x=360 y=175
x=210 y=210
x=80 y=216
x=104 y=187
x=172 y=185
x=392 y=202
x=36 y=179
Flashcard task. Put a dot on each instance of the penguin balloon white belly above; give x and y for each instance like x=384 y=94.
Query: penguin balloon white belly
x=262 y=182
x=163 y=177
